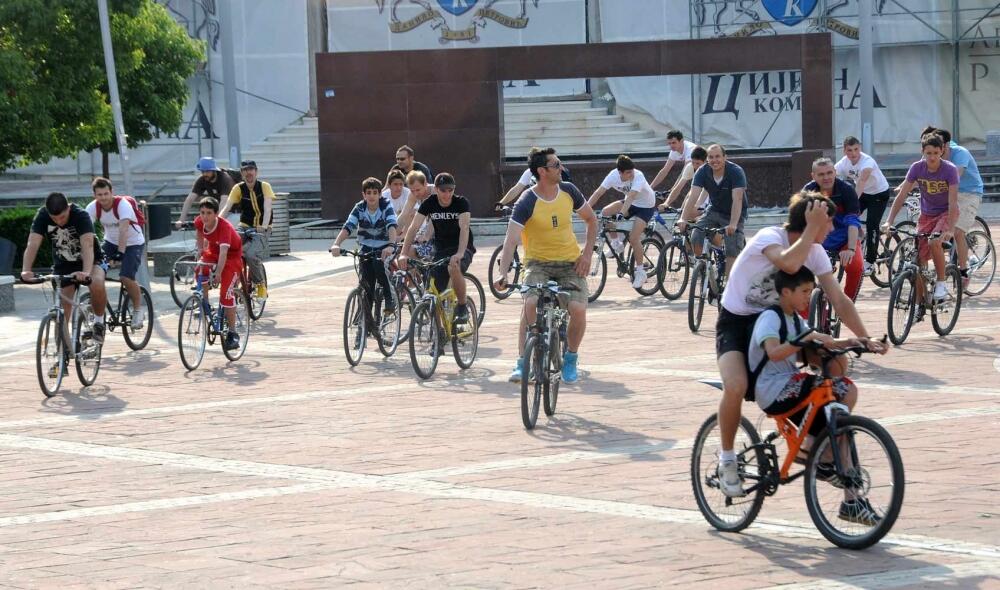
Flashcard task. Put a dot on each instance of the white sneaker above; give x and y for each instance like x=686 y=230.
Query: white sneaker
x=940 y=291
x=618 y=246
x=639 y=277
x=138 y=318
x=868 y=269
x=729 y=479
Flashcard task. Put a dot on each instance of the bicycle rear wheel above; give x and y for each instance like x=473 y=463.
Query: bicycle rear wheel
x=550 y=392
x=860 y=505
x=902 y=306
x=242 y=327
x=652 y=263
x=389 y=326
x=696 y=297
x=192 y=332
x=494 y=273
x=405 y=309
x=477 y=294
x=182 y=278
x=465 y=340
x=355 y=327
x=982 y=262
x=676 y=269
x=722 y=512
x=425 y=340
x=257 y=303
x=532 y=380
x=598 y=274
x=86 y=349
x=138 y=338
x=50 y=356
x=944 y=314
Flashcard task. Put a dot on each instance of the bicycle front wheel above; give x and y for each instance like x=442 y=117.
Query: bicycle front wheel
x=722 y=512
x=50 y=357
x=982 y=262
x=696 y=297
x=192 y=332
x=405 y=309
x=821 y=314
x=858 y=504
x=944 y=314
x=137 y=338
x=902 y=306
x=652 y=263
x=354 y=327
x=475 y=294
x=676 y=269
x=494 y=273
x=532 y=379
x=182 y=278
x=553 y=368
x=86 y=349
x=598 y=274
x=425 y=340
x=389 y=325
x=242 y=326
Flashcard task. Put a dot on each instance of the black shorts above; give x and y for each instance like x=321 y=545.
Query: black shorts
x=643 y=213
x=733 y=332
x=440 y=274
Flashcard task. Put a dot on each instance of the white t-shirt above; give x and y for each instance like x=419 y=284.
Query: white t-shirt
x=527 y=178
x=109 y=222
x=684 y=156
x=397 y=204
x=750 y=287
x=775 y=374
x=876 y=182
x=645 y=198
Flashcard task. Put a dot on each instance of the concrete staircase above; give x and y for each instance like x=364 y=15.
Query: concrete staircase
x=291 y=154
x=572 y=127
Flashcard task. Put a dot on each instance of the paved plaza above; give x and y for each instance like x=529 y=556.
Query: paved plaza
x=289 y=469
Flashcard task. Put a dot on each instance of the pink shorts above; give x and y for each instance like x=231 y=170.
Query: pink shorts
x=927 y=224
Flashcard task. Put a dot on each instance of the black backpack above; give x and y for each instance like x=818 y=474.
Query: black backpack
x=782 y=338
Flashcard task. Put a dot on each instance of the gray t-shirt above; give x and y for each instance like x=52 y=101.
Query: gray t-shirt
x=775 y=374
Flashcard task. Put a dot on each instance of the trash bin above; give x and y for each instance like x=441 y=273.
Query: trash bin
x=278 y=241
x=7 y=253
x=158 y=220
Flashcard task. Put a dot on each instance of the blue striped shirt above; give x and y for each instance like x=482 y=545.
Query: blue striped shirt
x=372 y=228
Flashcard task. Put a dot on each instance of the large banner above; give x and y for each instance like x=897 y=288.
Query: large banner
x=913 y=82
x=386 y=25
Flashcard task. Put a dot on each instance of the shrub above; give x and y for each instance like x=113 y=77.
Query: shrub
x=14 y=225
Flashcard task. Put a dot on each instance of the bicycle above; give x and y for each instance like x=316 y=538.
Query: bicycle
x=494 y=269
x=854 y=454
x=182 y=273
x=199 y=323
x=364 y=313
x=913 y=213
x=543 y=351
x=982 y=262
x=652 y=256
x=52 y=352
x=433 y=323
x=822 y=316
x=250 y=287
x=676 y=262
x=708 y=278
x=903 y=296
x=881 y=271
x=120 y=316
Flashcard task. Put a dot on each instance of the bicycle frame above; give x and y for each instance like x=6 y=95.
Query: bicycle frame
x=624 y=266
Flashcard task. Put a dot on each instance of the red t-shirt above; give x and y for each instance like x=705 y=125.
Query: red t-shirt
x=224 y=233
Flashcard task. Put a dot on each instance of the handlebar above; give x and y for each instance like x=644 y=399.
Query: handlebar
x=551 y=286
x=420 y=264
x=187 y=225
x=39 y=279
x=833 y=352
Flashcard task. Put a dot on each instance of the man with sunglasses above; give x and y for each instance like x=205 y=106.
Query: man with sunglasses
x=256 y=198
x=406 y=164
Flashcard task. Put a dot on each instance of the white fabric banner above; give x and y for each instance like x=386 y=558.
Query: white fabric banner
x=387 y=25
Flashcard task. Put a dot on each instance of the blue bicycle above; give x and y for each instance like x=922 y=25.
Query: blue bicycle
x=202 y=324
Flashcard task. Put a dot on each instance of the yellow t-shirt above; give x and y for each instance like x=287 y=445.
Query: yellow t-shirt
x=548 y=225
x=251 y=216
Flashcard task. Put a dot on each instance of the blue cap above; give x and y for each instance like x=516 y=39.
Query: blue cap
x=207 y=164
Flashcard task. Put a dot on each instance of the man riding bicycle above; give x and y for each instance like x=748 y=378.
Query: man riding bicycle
x=221 y=245
x=724 y=184
x=844 y=240
x=543 y=219
x=256 y=199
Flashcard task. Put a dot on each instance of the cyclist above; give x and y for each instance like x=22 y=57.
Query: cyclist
x=450 y=215
x=123 y=240
x=221 y=245
x=846 y=224
x=937 y=180
x=256 y=199
x=639 y=202
x=375 y=220
x=724 y=184
x=71 y=235
x=406 y=164
x=423 y=246
x=681 y=150
x=395 y=191
x=698 y=158
x=872 y=189
x=527 y=179
x=543 y=219
x=211 y=182
x=750 y=291
x=970 y=195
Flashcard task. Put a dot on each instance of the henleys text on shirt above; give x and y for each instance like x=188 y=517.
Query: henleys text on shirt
x=444 y=215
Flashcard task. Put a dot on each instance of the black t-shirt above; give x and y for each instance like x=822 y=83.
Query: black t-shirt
x=419 y=166
x=218 y=189
x=445 y=219
x=65 y=240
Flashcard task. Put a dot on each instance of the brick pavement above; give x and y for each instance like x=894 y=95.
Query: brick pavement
x=289 y=469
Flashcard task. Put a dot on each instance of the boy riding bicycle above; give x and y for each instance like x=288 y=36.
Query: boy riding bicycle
x=220 y=245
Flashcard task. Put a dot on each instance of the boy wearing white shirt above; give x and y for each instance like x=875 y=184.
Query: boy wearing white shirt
x=395 y=191
x=680 y=151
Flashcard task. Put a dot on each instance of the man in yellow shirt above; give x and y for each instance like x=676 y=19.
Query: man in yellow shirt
x=543 y=220
x=255 y=212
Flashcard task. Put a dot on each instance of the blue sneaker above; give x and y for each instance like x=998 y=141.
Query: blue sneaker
x=569 y=367
x=518 y=372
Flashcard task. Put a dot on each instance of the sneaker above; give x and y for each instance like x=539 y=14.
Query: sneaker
x=388 y=310
x=639 y=277
x=261 y=291
x=940 y=291
x=729 y=479
x=138 y=319
x=518 y=372
x=232 y=341
x=859 y=511
x=462 y=314
x=618 y=246
x=868 y=269
x=569 y=371
x=99 y=333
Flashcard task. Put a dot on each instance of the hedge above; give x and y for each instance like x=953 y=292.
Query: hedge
x=15 y=224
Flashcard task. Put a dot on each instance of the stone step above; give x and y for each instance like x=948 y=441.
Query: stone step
x=590 y=136
x=520 y=127
x=560 y=106
x=560 y=116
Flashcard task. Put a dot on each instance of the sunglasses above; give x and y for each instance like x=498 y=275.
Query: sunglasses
x=401 y=159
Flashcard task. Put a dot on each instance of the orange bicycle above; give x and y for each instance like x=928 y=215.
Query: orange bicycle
x=853 y=477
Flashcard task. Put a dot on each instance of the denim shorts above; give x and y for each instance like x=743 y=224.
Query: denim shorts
x=131 y=259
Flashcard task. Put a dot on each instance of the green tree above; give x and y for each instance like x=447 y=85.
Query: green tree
x=53 y=87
